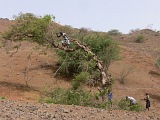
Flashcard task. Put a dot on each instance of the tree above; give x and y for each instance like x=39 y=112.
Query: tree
x=93 y=54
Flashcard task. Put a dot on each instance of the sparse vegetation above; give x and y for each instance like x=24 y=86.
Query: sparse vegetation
x=139 y=39
x=69 y=97
x=82 y=98
x=158 y=63
x=79 y=67
x=2 y=97
x=134 y=30
x=114 y=32
x=137 y=107
x=125 y=72
x=124 y=105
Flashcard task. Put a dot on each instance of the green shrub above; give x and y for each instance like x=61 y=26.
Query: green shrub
x=3 y=98
x=79 y=80
x=125 y=105
x=69 y=97
x=103 y=46
x=158 y=63
x=137 y=107
x=114 y=32
x=139 y=39
x=100 y=105
x=29 y=27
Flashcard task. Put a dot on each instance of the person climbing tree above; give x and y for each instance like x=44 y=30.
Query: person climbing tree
x=65 y=41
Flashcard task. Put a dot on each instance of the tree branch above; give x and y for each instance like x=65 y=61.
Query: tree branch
x=104 y=79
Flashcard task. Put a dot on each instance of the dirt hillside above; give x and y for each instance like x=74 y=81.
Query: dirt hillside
x=140 y=58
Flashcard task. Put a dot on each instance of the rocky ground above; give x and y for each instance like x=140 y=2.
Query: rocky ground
x=20 y=110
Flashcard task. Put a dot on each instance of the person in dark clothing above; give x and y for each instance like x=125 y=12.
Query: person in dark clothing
x=147 y=101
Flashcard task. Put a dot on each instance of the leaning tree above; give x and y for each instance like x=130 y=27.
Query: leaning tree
x=32 y=28
x=105 y=79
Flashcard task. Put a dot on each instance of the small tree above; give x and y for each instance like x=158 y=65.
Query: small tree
x=114 y=32
x=124 y=74
x=29 y=27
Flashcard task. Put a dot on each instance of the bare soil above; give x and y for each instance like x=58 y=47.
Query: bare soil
x=138 y=57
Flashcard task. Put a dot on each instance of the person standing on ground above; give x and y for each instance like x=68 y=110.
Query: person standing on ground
x=65 y=41
x=110 y=97
x=147 y=101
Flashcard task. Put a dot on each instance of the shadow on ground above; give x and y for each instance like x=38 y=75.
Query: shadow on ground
x=18 y=86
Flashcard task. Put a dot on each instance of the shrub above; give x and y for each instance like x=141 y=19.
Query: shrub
x=125 y=105
x=139 y=39
x=137 y=107
x=114 y=32
x=158 y=63
x=134 y=31
x=29 y=27
x=125 y=72
x=80 y=79
x=3 y=98
x=69 y=97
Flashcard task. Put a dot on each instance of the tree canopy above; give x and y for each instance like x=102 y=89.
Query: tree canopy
x=81 y=61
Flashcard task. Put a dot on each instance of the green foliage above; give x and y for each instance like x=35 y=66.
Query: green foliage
x=80 y=79
x=125 y=105
x=114 y=32
x=74 y=63
x=34 y=28
x=100 y=105
x=158 y=63
x=139 y=39
x=103 y=92
x=137 y=107
x=69 y=97
x=82 y=98
x=29 y=27
x=103 y=46
x=2 y=98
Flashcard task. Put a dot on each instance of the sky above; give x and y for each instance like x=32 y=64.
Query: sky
x=97 y=15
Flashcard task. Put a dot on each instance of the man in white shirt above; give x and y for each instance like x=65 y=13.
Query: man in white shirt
x=132 y=100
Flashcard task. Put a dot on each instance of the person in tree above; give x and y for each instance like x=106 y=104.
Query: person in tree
x=131 y=99
x=65 y=41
